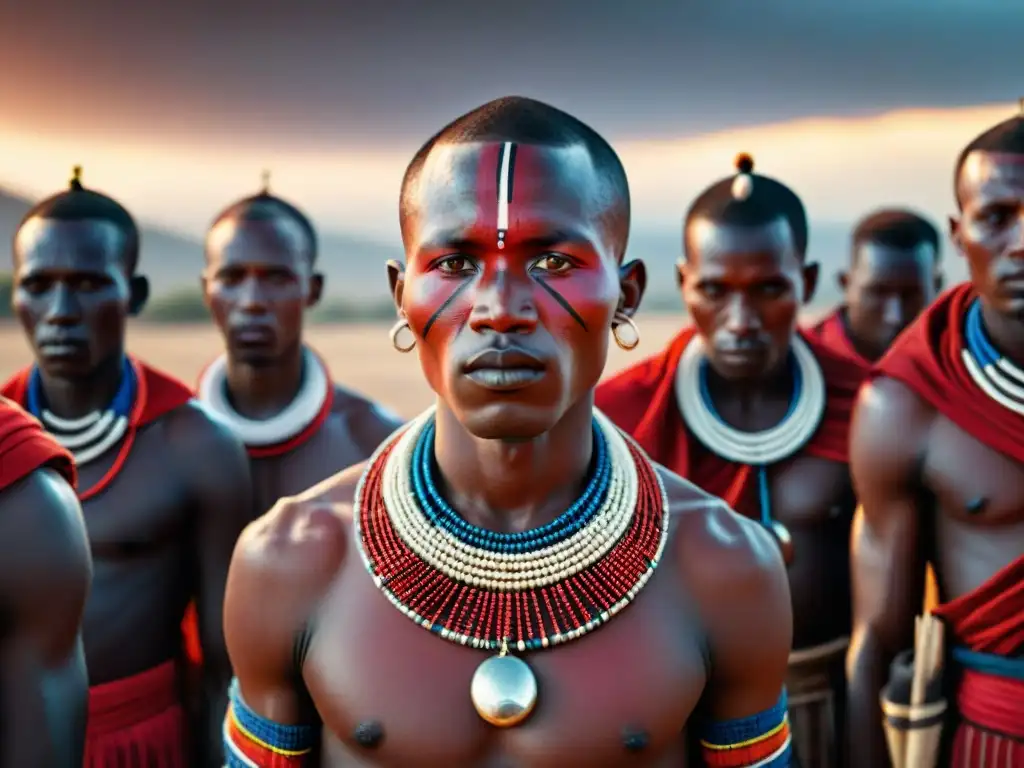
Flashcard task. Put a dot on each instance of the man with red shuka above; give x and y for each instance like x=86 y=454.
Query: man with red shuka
x=752 y=410
x=893 y=275
x=937 y=453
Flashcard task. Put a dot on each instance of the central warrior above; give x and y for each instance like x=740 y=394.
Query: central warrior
x=509 y=579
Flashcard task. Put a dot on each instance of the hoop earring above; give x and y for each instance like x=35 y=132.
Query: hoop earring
x=397 y=328
x=622 y=319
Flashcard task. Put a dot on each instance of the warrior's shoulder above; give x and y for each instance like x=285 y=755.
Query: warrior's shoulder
x=718 y=553
x=889 y=398
x=888 y=415
x=308 y=532
x=706 y=524
x=890 y=434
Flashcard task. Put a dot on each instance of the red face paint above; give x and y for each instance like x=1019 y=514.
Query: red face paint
x=509 y=248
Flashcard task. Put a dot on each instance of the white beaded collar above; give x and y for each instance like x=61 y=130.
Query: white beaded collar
x=298 y=415
x=753 y=448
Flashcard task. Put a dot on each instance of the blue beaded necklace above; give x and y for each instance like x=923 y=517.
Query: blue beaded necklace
x=441 y=513
x=764 y=491
x=92 y=435
x=996 y=376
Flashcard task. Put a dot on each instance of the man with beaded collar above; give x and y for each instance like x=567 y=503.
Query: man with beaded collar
x=276 y=394
x=642 y=620
x=164 y=488
x=937 y=453
x=751 y=409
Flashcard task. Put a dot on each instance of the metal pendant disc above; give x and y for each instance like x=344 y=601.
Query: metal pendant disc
x=504 y=691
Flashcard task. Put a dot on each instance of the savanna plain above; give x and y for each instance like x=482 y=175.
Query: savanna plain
x=360 y=356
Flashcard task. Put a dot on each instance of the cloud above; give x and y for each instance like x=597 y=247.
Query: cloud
x=325 y=74
x=842 y=167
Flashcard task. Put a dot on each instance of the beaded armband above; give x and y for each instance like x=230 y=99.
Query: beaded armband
x=758 y=741
x=251 y=741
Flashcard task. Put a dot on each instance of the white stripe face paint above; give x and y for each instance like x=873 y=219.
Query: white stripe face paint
x=504 y=189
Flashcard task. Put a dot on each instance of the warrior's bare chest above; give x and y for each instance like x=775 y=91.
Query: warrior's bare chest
x=371 y=667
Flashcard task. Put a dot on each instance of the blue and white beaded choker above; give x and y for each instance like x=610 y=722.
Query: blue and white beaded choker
x=92 y=435
x=995 y=375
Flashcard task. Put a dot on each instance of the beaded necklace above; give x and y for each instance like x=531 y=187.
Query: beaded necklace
x=504 y=592
x=309 y=408
x=755 y=449
x=996 y=376
x=92 y=435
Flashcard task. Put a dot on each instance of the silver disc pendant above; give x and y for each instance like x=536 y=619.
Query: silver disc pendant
x=504 y=690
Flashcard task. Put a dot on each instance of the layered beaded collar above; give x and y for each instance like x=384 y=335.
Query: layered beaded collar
x=509 y=592
x=995 y=375
x=305 y=412
x=92 y=435
x=753 y=448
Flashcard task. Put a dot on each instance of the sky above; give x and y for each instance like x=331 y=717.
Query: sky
x=176 y=108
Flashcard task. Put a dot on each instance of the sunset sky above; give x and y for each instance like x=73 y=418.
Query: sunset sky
x=176 y=110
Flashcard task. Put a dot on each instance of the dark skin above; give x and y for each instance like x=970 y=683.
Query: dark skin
x=259 y=280
x=163 y=533
x=915 y=471
x=45 y=571
x=511 y=460
x=743 y=288
x=886 y=288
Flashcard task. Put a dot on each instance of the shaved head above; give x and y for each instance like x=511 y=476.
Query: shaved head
x=748 y=199
x=79 y=204
x=516 y=120
x=1006 y=138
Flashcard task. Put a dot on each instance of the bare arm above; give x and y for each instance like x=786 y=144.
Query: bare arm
x=889 y=434
x=736 y=572
x=282 y=566
x=45 y=574
x=217 y=468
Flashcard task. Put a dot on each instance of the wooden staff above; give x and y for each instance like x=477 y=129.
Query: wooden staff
x=913 y=724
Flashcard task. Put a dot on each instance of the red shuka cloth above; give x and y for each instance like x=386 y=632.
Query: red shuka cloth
x=990 y=620
x=156 y=395
x=25 y=447
x=137 y=722
x=831 y=332
x=641 y=400
x=926 y=358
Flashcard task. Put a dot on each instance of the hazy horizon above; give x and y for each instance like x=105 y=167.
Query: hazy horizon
x=177 y=109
